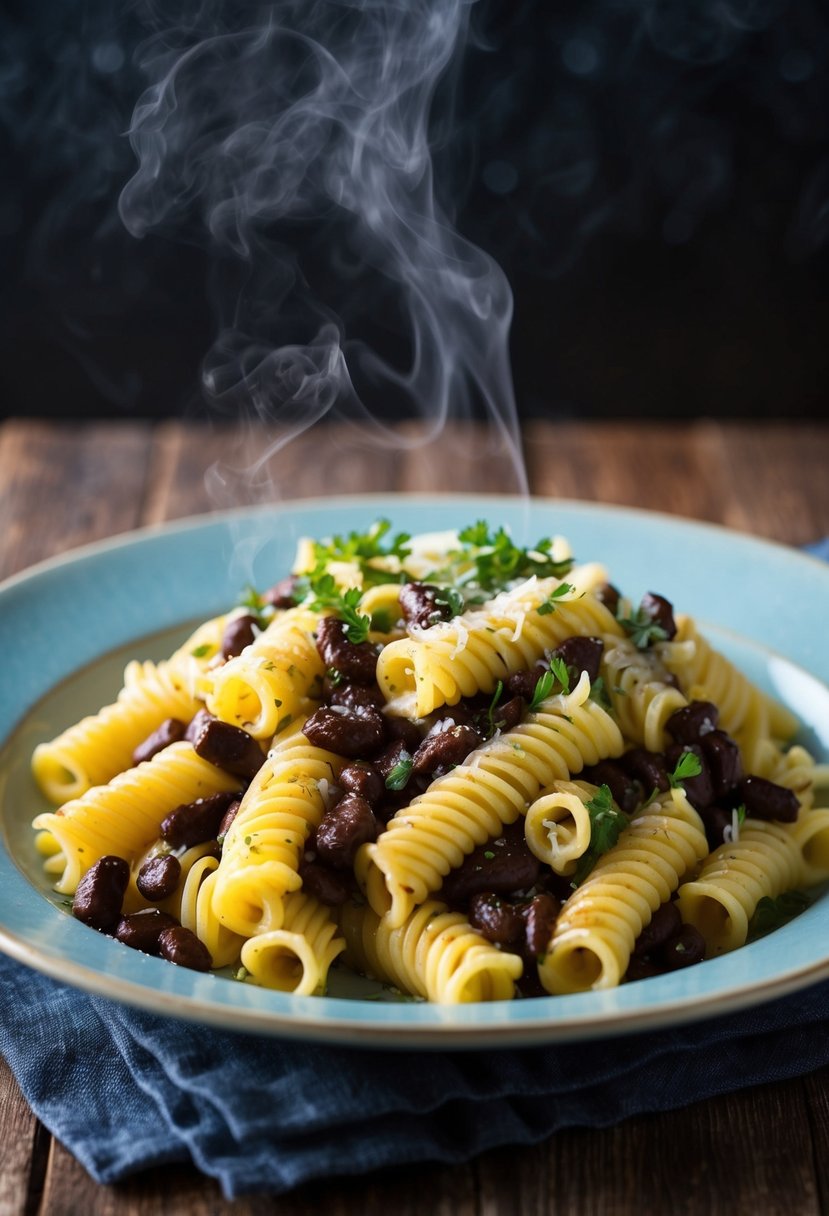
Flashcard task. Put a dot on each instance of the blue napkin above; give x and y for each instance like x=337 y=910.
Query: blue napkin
x=125 y=1090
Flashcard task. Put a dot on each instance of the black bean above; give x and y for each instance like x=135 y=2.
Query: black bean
x=682 y=950
x=648 y=768
x=440 y=752
x=715 y=820
x=698 y=789
x=238 y=633
x=660 y=611
x=665 y=923
x=540 y=916
x=196 y=724
x=141 y=930
x=389 y=758
x=354 y=662
x=724 y=762
x=640 y=968
x=404 y=731
x=228 y=747
x=352 y=696
x=158 y=877
x=100 y=893
x=626 y=792
x=766 y=800
x=170 y=731
x=495 y=918
x=522 y=683
x=227 y=819
x=349 y=824
x=182 y=947
x=330 y=887
x=608 y=595
x=502 y=866
x=581 y=654
x=508 y=715
x=194 y=822
x=282 y=594
x=353 y=733
x=689 y=724
x=364 y=779
x=419 y=607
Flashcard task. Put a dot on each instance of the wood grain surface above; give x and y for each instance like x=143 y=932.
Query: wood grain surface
x=764 y=1150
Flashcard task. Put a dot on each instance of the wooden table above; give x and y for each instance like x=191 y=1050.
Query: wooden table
x=763 y=1151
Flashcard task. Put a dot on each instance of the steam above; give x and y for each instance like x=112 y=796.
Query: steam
x=300 y=148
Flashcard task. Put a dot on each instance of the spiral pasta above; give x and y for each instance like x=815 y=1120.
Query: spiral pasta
x=599 y=924
x=263 y=687
x=557 y=824
x=297 y=957
x=469 y=654
x=764 y=861
x=478 y=798
x=434 y=953
x=123 y=817
x=264 y=846
x=636 y=682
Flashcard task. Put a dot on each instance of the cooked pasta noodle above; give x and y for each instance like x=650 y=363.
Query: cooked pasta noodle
x=764 y=861
x=434 y=953
x=642 y=699
x=557 y=824
x=439 y=665
x=124 y=817
x=600 y=922
x=297 y=957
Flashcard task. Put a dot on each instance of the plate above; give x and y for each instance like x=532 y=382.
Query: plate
x=67 y=626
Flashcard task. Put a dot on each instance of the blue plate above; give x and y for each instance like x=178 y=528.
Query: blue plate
x=67 y=627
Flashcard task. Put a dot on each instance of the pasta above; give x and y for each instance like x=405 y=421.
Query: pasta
x=462 y=769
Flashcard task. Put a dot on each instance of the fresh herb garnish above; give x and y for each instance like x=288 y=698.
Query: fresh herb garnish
x=642 y=629
x=562 y=673
x=687 y=766
x=452 y=600
x=543 y=688
x=400 y=774
x=256 y=605
x=490 y=561
x=598 y=693
x=323 y=592
x=496 y=697
x=549 y=605
x=606 y=824
x=361 y=549
x=772 y=913
x=200 y=652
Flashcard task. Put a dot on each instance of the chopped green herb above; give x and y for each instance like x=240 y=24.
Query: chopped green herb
x=562 y=673
x=741 y=814
x=489 y=561
x=248 y=840
x=256 y=605
x=642 y=629
x=598 y=693
x=241 y=973
x=335 y=677
x=362 y=548
x=451 y=599
x=489 y=855
x=606 y=824
x=772 y=913
x=496 y=697
x=549 y=604
x=200 y=652
x=543 y=688
x=321 y=591
x=399 y=775
x=381 y=621
x=688 y=765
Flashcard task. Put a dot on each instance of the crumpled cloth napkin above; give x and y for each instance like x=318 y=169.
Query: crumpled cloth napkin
x=125 y=1090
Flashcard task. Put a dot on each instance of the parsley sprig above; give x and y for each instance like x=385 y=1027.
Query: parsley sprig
x=687 y=766
x=362 y=548
x=490 y=561
x=399 y=776
x=322 y=592
x=606 y=824
x=642 y=629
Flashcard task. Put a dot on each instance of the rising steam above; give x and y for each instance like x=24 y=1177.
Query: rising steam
x=300 y=146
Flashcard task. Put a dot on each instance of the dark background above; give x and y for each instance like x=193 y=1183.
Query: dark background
x=653 y=178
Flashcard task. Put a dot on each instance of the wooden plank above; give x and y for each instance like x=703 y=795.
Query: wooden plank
x=65 y=484
x=661 y=467
x=21 y=1147
x=459 y=460
x=199 y=468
